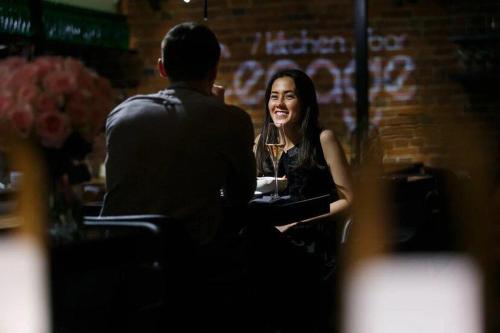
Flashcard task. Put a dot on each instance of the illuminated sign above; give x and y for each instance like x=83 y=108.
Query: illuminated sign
x=390 y=74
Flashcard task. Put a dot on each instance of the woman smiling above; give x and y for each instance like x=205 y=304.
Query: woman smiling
x=313 y=160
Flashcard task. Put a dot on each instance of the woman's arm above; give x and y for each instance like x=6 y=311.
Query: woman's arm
x=339 y=169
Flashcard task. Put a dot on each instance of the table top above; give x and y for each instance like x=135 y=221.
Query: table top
x=287 y=210
x=278 y=212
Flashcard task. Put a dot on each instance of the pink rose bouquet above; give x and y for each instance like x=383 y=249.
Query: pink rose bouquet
x=61 y=105
x=51 y=98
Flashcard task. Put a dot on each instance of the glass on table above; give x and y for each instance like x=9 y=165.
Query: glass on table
x=275 y=143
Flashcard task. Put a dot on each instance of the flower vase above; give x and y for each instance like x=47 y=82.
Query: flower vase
x=65 y=211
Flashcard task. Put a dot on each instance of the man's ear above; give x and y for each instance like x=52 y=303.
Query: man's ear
x=161 y=68
x=212 y=74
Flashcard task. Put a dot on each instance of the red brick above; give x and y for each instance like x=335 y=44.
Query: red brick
x=427 y=26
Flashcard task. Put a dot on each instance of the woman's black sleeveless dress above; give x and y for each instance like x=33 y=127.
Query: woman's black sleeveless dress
x=302 y=258
x=305 y=183
x=317 y=239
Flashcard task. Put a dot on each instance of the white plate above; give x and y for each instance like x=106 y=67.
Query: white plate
x=266 y=184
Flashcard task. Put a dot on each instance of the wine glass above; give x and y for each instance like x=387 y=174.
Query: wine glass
x=275 y=143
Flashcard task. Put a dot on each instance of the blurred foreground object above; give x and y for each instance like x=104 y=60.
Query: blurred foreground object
x=23 y=280
x=451 y=288
x=415 y=294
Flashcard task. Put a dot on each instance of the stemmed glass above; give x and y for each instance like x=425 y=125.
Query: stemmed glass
x=275 y=143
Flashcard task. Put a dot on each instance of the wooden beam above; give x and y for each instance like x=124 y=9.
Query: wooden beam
x=362 y=79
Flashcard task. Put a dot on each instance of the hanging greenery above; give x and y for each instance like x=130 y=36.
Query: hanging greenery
x=66 y=23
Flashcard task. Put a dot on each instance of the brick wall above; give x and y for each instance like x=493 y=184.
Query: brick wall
x=419 y=111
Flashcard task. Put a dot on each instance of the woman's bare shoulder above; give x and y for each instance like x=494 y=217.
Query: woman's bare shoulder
x=327 y=136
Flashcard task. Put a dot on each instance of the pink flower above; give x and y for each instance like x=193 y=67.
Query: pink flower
x=21 y=118
x=47 y=65
x=47 y=102
x=74 y=66
x=51 y=97
x=4 y=82
x=60 y=82
x=53 y=128
x=5 y=73
x=6 y=104
x=13 y=62
x=85 y=82
x=77 y=107
x=27 y=92
x=27 y=74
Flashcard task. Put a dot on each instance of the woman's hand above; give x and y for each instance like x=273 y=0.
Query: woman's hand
x=285 y=227
x=328 y=217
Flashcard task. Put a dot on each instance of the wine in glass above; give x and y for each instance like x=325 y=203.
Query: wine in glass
x=275 y=143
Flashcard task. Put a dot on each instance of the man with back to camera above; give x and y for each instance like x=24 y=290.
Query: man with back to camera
x=171 y=152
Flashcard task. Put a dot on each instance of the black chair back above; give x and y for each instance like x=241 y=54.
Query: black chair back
x=113 y=279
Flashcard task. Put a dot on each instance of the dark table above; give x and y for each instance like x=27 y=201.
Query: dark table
x=287 y=209
x=278 y=212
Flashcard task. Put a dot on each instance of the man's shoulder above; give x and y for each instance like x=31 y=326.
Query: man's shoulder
x=156 y=98
x=143 y=102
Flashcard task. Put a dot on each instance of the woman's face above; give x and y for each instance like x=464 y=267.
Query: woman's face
x=284 y=104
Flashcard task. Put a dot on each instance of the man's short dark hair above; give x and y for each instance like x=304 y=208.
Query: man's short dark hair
x=190 y=51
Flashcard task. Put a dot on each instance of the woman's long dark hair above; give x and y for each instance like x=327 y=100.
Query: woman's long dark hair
x=309 y=146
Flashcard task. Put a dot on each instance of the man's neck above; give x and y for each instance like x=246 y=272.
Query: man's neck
x=202 y=86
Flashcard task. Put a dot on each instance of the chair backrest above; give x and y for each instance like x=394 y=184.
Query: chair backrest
x=346 y=228
x=139 y=238
x=152 y=234
x=114 y=277
x=152 y=222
